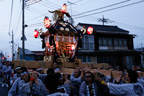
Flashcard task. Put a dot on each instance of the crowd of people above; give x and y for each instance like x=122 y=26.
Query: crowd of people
x=82 y=82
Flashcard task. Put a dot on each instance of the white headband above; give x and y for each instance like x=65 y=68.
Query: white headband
x=24 y=73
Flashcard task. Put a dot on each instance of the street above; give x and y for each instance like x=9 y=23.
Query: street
x=3 y=90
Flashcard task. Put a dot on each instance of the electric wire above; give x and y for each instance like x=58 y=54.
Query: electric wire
x=10 y=16
x=36 y=17
x=102 y=7
x=18 y=23
x=110 y=9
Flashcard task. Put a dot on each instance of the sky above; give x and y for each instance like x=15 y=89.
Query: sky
x=126 y=14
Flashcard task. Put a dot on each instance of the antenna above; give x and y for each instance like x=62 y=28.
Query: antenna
x=104 y=20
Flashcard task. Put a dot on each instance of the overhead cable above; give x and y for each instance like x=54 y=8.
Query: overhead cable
x=110 y=9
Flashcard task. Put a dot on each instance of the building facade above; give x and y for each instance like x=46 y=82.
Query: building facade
x=109 y=44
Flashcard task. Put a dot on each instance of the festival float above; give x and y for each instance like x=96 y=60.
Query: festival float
x=62 y=40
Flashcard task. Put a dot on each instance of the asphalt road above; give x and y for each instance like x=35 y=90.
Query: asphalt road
x=3 y=90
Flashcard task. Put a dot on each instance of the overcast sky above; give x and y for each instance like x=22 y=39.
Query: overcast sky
x=126 y=14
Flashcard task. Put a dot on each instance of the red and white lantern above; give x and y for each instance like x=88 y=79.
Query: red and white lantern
x=47 y=22
x=90 y=30
x=36 y=33
x=64 y=8
x=72 y=47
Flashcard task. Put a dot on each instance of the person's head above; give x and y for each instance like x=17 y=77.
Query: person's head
x=22 y=69
x=24 y=74
x=132 y=76
x=55 y=65
x=7 y=63
x=50 y=71
x=51 y=83
x=17 y=69
x=77 y=72
x=88 y=77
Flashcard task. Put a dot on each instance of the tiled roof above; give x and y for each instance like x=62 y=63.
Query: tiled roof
x=105 y=28
x=26 y=51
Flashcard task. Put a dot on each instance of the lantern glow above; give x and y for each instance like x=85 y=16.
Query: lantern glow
x=72 y=47
x=47 y=22
x=56 y=43
x=36 y=33
x=47 y=44
x=64 y=8
x=90 y=30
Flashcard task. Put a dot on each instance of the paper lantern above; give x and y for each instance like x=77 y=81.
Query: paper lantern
x=90 y=30
x=72 y=47
x=36 y=33
x=64 y=8
x=47 y=22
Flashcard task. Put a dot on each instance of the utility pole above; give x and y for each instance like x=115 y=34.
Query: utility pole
x=142 y=62
x=104 y=20
x=12 y=45
x=23 y=27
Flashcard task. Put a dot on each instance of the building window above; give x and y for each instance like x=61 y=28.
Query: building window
x=120 y=42
x=116 y=42
x=88 y=42
x=103 y=41
x=86 y=58
x=110 y=42
x=105 y=59
x=124 y=42
x=100 y=41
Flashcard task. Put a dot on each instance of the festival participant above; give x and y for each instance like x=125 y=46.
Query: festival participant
x=0 y=69
x=16 y=73
x=6 y=74
x=51 y=83
x=76 y=79
x=132 y=88
x=56 y=67
x=28 y=85
x=89 y=87
x=43 y=76
x=62 y=83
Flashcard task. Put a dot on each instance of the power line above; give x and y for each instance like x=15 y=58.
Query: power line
x=47 y=5
x=10 y=17
x=35 y=11
x=18 y=23
x=110 y=9
x=58 y=6
x=102 y=7
x=53 y=3
x=84 y=3
x=78 y=1
x=36 y=17
x=131 y=26
x=18 y=38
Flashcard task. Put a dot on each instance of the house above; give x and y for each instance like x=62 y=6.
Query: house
x=30 y=55
x=109 y=44
x=39 y=55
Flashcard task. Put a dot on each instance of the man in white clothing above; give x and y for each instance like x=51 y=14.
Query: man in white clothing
x=132 y=88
